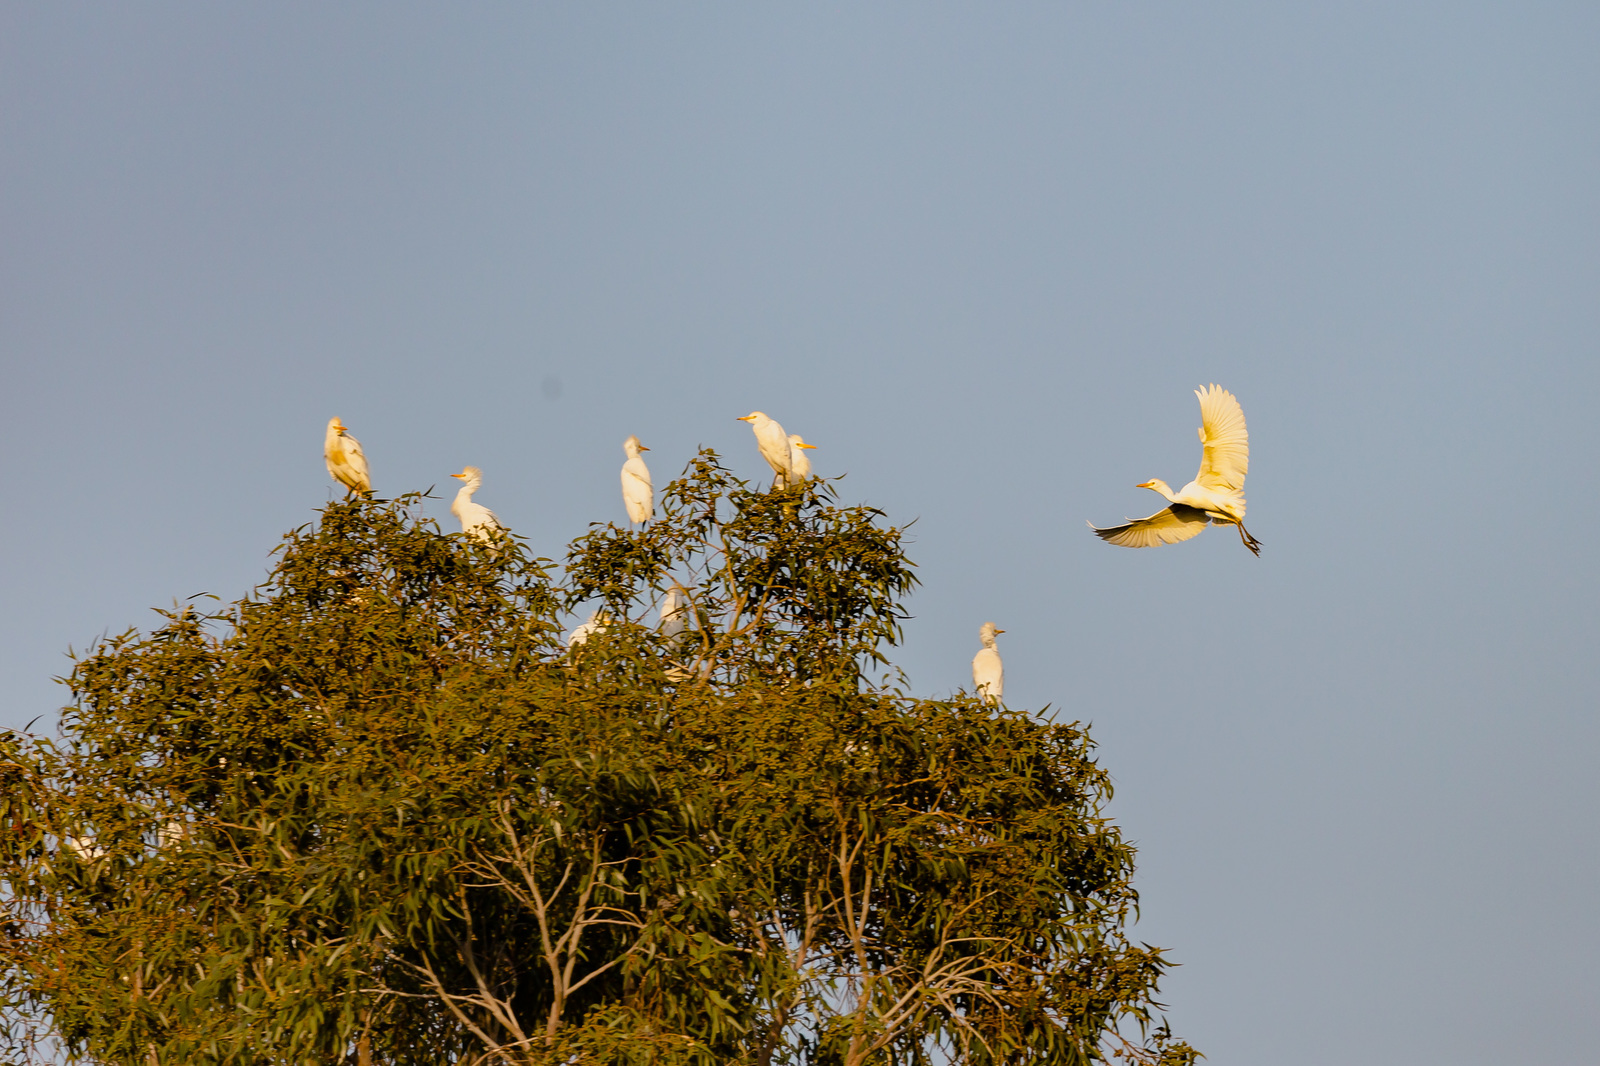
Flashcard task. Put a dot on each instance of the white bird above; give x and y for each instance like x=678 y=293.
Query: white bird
x=638 y=495
x=774 y=445
x=988 y=672
x=477 y=521
x=799 y=462
x=346 y=461
x=83 y=848
x=674 y=613
x=1216 y=495
x=596 y=624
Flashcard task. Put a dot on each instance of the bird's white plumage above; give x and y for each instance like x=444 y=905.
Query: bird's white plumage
x=347 y=463
x=674 y=613
x=596 y=624
x=773 y=443
x=799 y=461
x=477 y=521
x=1215 y=495
x=1225 y=444
x=84 y=847
x=988 y=672
x=638 y=495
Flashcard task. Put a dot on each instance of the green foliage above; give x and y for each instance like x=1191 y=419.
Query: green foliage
x=377 y=813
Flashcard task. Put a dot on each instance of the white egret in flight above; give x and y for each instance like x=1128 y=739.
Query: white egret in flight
x=1215 y=495
x=638 y=495
x=477 y=521
x=988 y=672
x=346 y=462
x=799 y=462
x=774 y=444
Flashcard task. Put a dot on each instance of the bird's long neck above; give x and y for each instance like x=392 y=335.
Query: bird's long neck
x=464 y=494
x=1162 y=487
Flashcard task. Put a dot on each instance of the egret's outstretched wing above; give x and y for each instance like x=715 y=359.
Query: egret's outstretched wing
x=1226 y=456
x=1167 y=526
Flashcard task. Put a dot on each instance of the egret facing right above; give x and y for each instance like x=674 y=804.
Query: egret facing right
x=638 y=495
x=1216 y=495
x=799 y=461
x=988 y=672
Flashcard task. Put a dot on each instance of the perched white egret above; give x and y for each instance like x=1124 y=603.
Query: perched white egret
x=84 y=848
x=346 y=461
x=638 y=495
x=988 y=672
x=477 y=521
x=773 y=442
x=799 y=462
x=596 y=624
x=171 y=833
x=1215 y=495
x=674 y=613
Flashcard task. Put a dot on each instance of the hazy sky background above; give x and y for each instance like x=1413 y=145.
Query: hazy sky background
x=981 y=255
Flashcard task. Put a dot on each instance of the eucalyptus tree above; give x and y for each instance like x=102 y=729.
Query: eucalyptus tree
x=378 y=812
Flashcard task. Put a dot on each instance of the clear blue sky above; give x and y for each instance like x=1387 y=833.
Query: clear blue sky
x=980 y=255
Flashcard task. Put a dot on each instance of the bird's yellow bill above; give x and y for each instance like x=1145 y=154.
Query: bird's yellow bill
x=813 y=447
x=744 y=418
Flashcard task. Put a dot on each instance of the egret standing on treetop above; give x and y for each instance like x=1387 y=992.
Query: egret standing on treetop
x=477 y=521
x=638 y=495
x=799 y=462
x=346 y=462
x=773 y=442
x=1215 y=495
x=988 y=672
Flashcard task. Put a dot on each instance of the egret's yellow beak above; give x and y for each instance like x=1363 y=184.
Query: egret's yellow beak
x=458 y=475
x=1145 y=485
x=999 y=631
x=642 y=448
x=811 y=446
x=744 y=418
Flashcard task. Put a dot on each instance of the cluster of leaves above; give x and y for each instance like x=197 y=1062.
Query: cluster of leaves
x=379 y=813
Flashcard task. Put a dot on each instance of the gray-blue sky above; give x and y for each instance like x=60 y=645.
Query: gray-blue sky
x=980 y=256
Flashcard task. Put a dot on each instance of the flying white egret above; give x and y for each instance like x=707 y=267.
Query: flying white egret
x=477 y=521
x=799 y=462
x=1216 y=495
x=638 y=495
x=988 y=672
x=346 y=461
x=596 y=624
x=774 y=444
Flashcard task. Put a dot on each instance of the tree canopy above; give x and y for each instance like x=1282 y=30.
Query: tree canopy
x=379 y=812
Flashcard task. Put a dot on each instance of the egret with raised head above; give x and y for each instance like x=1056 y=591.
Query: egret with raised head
x=638 y=495
x=773 y=442
x=988 y=672
x=477 y=521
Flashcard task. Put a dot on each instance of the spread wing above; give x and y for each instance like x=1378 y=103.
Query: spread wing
x=1167 y=526
x=1225 y=458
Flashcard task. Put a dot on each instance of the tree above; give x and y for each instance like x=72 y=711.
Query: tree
x=377 y=813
